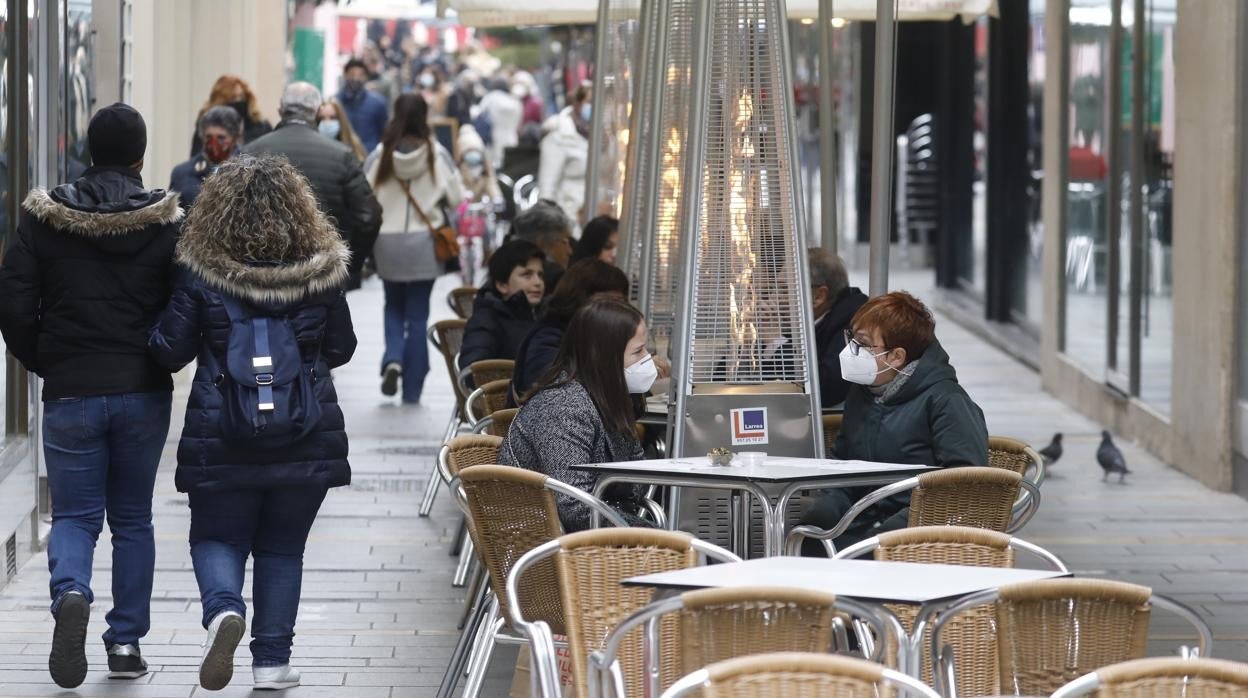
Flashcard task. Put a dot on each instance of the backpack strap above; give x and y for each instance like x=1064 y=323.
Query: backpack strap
x=262 y=356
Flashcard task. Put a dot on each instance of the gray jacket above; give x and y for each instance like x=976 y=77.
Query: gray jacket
x=560 y=427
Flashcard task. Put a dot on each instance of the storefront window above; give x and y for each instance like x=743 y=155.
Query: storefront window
x=1028 y=291
x=978 y=273
x=1087 y=239
x=1157 y=308
x=79 y=87
x=7 y=366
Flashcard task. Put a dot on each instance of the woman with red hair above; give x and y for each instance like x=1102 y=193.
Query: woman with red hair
x=232 y=91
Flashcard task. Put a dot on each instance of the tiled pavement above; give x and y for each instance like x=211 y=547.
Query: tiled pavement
x=378 y=613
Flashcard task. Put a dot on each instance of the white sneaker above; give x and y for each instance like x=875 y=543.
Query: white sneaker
x=274 y=678
x=217 y=667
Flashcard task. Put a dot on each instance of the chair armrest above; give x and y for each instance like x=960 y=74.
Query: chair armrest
x=793 y=544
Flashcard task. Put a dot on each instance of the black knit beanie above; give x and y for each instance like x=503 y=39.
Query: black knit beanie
x=117 y=135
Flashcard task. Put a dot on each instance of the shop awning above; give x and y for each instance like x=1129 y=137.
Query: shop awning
x=494 y=13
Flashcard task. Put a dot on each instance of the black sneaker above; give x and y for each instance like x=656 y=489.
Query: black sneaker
x=125 y=662
x=390 y=379
x=68 y=661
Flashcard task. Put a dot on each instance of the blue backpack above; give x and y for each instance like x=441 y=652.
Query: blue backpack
x=268 y=397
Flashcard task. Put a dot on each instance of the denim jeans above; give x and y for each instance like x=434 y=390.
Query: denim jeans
x=406 y=322
x=270 y=525
x=102 y=453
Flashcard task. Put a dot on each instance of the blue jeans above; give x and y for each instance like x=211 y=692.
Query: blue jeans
x=102 y=453
x=270 y=525
x=407 y=320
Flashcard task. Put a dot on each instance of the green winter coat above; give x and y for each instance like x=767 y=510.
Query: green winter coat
x=929 y=421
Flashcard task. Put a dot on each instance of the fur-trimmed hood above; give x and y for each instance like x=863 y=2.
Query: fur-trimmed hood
x=108 y=205
x=204 y=251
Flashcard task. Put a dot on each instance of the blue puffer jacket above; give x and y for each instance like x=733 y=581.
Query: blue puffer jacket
x=195 y=324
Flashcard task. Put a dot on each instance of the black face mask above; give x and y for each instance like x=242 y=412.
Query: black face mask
x=242 y=108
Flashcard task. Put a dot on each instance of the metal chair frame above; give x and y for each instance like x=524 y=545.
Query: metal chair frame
x=606 y=678
x=454 y=293
x=826 y=536
x=1091 y=682
x=1037 y=479
x=452 y=427
x=871 y=544
x=544 y=670
x=943 y=658
x=693 y=683
x=479 y=394
x=485 y=626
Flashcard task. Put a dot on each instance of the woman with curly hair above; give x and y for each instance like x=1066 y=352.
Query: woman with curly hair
x=256 y=246
x=234 y=92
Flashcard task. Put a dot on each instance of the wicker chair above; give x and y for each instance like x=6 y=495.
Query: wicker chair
x=831 y=428
x=719 y=624
x=460 y=453
x=970 y=496
x=485 y=371
x=954 y=545
x=447 y=336
x=511 y=511
x=1052 y=631
x=1163 y=676
x=1016 y=456
x=461 y=300
x=796 y=675
x=487 y=399
x=497 y=423
x=590 y=567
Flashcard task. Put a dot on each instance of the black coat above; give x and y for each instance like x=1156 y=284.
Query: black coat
x=497 y=327
x=188 y=177
x=337 y=180
x=535 y=356
x=83 y=279
x=195 y=325
x=830 y=342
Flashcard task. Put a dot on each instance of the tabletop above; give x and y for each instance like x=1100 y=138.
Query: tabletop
x=871 y=580
x=775 y=469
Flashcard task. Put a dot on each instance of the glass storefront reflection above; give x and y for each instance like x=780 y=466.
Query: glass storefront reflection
x=6 y=215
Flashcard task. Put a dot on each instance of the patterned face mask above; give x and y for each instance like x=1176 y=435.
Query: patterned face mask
x=218 y=148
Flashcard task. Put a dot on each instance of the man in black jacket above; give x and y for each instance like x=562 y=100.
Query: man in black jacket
x=83 y=281
x=331 y=168
x=835 y=303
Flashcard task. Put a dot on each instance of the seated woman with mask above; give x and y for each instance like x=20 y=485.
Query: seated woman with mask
x=580 y=411
x=905 y=406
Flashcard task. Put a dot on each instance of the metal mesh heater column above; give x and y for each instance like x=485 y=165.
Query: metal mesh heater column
x=618 y=30
x=744 y=360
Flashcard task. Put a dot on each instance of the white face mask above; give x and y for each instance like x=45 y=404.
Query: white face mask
x=859 y=368
x=640 y=376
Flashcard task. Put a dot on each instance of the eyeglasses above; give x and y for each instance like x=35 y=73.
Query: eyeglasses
x=856 y=346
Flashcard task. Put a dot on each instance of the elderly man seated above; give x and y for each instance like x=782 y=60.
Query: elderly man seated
x=905 y=406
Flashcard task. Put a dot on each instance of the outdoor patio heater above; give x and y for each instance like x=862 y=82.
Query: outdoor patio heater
x=614 y=73
x=714 y=239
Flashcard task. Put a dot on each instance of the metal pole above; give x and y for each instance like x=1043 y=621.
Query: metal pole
x=827 y=132
x=691 y=214
x=882 y=144
x=590 y=208
x=1139 y=238
x=647 y=225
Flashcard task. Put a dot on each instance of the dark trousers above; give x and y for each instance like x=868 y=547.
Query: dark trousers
x=270 y=525
x=832 y=505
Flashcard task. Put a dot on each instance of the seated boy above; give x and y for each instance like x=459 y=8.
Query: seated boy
x=506 y=306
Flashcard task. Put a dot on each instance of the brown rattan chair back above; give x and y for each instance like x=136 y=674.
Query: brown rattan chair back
x=591 y=565
x=971 y=633
x=978 y=497
x=512 y=513
x=795 y=675
x=500 y=421
x=1011 y=454
x=474 y=449
x=448 y=336
x=1173 y=676
x=719 y=624
x=490 y=370
x=492 y=397
x=831 y=429
x=461 y=300
x=1055 y=630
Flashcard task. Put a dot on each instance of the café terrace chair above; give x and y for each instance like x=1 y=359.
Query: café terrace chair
x=717 y=624
x=461 y=300
x=447 y=336
x=1162 y=676
x=797 y=675
x=496 y=423
x=1052 y=631
x=487 y=399
x=979 y=497
x=485 y=371
x=463 y=452
x=510 y=512
x=1016 y=456
x=831 y=428
x=589 y=568
x=954 y=545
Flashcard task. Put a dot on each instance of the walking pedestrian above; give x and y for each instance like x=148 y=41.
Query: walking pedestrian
x=565 y=154
x=221 y=129
x=261 y=278
x=416 y=182
x=366 y=110
x=233 y=92
x=83 y=280
x=331 y=168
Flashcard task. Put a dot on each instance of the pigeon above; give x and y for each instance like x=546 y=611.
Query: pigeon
x=1111 y=459
x=1053 y=452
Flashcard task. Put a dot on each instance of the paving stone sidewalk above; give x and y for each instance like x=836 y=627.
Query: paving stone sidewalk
x=378 y=613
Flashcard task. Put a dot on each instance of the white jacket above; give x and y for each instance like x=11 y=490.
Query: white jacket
x=404 y=249
x=506 y=113
x=561 y=174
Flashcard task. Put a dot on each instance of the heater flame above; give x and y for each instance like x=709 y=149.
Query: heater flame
x=743 y=305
